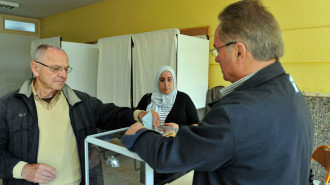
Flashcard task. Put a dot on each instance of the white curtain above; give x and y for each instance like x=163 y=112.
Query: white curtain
x=114 y=70
x=54 y=41
x=151 y=50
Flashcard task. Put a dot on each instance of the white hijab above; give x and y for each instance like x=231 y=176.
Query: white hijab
x=158 y=99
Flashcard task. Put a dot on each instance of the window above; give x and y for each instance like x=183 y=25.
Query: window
x=19 y=25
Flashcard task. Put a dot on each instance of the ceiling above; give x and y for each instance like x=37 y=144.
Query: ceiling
x=44 y=8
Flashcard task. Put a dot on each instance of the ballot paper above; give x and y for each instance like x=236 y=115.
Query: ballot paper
x=147 y=121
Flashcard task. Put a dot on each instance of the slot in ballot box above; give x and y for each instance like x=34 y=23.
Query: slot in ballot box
x=119 y=165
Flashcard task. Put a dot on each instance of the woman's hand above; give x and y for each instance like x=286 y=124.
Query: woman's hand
x=173 y=125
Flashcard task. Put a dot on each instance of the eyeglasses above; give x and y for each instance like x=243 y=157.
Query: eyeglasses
x=215 y=52
x=56 y=69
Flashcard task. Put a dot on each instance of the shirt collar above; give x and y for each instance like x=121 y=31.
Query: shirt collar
x=225 y=91
x=45 y=104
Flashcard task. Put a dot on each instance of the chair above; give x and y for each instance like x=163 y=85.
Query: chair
x=322 y=156
x=212 y=95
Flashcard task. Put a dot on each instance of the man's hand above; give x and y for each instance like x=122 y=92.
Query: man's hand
x=93 y=158
x=134 y=128
x=39 y=173
x=155 y=118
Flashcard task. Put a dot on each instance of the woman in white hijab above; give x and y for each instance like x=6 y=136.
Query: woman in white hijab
x=175 y=108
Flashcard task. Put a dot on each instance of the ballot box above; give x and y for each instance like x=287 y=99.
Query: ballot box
x=117 y=164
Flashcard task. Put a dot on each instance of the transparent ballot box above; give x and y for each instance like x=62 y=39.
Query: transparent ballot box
x=118 y=166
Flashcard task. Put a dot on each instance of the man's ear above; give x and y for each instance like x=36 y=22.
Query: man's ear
x=34 y=68
x=240 y=52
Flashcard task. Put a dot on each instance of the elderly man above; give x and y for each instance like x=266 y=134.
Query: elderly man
x=260 y=132
x=43 y=125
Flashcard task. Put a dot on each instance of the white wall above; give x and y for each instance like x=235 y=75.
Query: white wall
x=193 y=68
x=15 y=58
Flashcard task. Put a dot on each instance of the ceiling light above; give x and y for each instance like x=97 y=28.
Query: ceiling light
x=10 y=5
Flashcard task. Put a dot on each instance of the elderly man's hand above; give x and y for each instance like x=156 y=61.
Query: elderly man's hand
x=134 y=128
x=155 y=116
x=39 y=173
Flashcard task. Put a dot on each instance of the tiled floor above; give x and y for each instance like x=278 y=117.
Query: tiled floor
x=124 y=174
x=184 y=180
x=128 y=174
